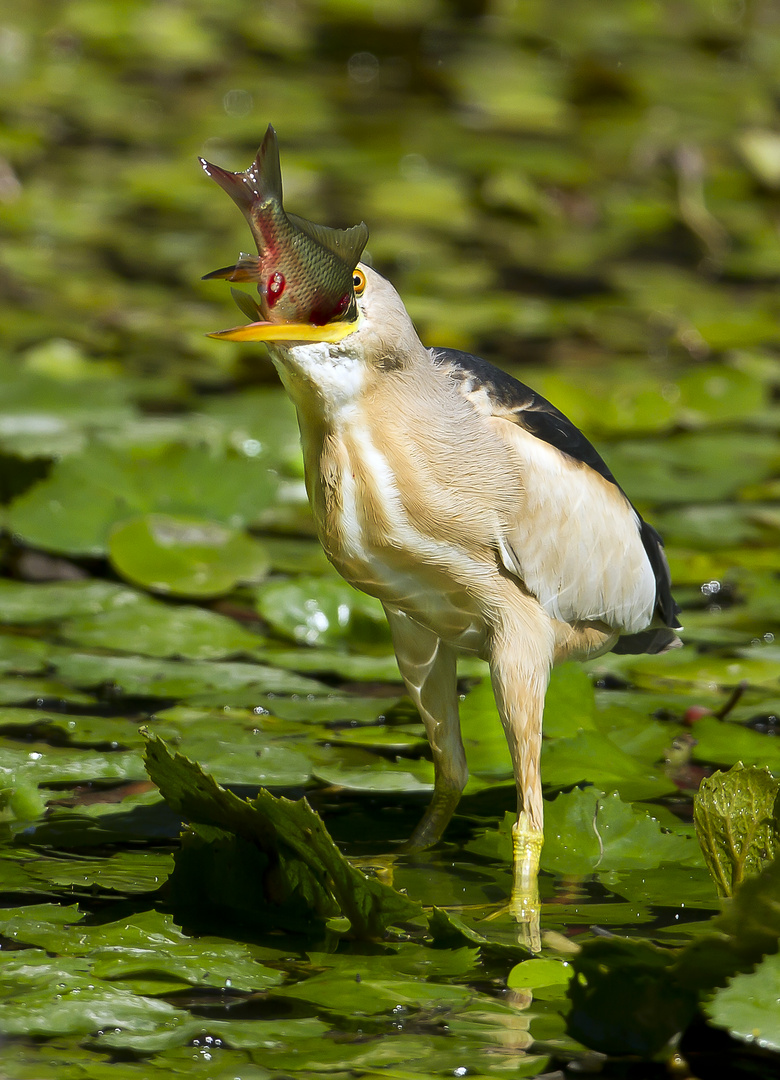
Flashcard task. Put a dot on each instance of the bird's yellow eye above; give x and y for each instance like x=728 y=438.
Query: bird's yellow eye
x=358 y=282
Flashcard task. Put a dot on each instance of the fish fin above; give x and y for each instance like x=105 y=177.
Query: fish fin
x=247 y=304
x=348 y=244
x=261 y=182
x=223 y=272
x=246 y=269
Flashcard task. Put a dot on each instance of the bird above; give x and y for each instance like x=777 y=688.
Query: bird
x=479 y=515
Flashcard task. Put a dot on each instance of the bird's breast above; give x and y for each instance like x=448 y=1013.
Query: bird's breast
x=361 y=502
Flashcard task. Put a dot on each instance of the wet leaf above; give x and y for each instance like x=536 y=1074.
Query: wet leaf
x=588 y=832
x=747 y=1007
x=321 y=611
x=310 y=865
x=137 y=675
x=85 y=496
x=151 y=628
x=185 y=556
x=24 y=602
x=531 y=974
x=728 y=743
x=737 y=818
x=593 y=757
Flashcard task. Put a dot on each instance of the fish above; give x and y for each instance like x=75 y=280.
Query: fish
x=303 y=271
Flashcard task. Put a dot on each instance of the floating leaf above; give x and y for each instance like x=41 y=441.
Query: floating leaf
x=747 y=1007
x=146 y=677
x=737 y=819
x=594 y=758
x=728 y=743
x=24 y=602
x=587 y=831
x=321 y=611
x=84 y=496
x=152 y=628
x=185 y=556
x=570 y=704
x=530 y=974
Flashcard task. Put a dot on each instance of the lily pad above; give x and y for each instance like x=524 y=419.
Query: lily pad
x=85 y=496
x=147 y=677
x=185 y=556
x=593 y=757
x=587 y=832
x=321 y=611
x=151 y=628
x=24 y=602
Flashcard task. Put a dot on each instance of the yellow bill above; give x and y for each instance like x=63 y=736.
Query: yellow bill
x=268 y=331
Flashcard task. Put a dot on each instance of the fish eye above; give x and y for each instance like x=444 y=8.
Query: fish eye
x=358 y=281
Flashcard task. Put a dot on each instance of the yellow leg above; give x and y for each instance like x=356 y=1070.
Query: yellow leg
x=524 y=904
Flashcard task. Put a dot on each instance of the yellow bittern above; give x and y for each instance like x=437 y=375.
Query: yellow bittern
x=470 y=506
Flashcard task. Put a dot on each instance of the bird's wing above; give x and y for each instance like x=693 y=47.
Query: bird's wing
x=576 y=542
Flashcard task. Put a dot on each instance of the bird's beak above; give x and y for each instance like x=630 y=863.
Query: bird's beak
x=288 y=331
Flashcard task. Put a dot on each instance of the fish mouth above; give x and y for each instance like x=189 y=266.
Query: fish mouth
x=291 y=332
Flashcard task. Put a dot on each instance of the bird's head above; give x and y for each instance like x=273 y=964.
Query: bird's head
x=312 y=287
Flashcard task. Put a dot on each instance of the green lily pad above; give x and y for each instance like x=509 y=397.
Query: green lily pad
x=22 y=655
x=15 y=690
x=151 y=628
x=147 y=677
x=381 y=776
x=345 y=995
x=728 y=743
x=531 y=974
x=346 y=665
x=24 y=602
x=586 y=832
x=594 y=758
x=185 y=556
x=75 y=508
x=321 y=611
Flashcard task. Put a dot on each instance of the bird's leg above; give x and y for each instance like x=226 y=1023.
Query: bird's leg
x=520 y=673
x=428 y=667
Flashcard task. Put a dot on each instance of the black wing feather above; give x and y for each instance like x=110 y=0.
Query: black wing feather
x=539 y=416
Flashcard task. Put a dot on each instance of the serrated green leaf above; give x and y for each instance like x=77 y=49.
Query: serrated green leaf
x=308 y=860
x=748 y=1006
x=737 y=819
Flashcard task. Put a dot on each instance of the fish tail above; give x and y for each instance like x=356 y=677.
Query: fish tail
x=260 y=183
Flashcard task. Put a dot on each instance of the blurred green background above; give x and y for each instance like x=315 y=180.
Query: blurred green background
x=586 y=194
